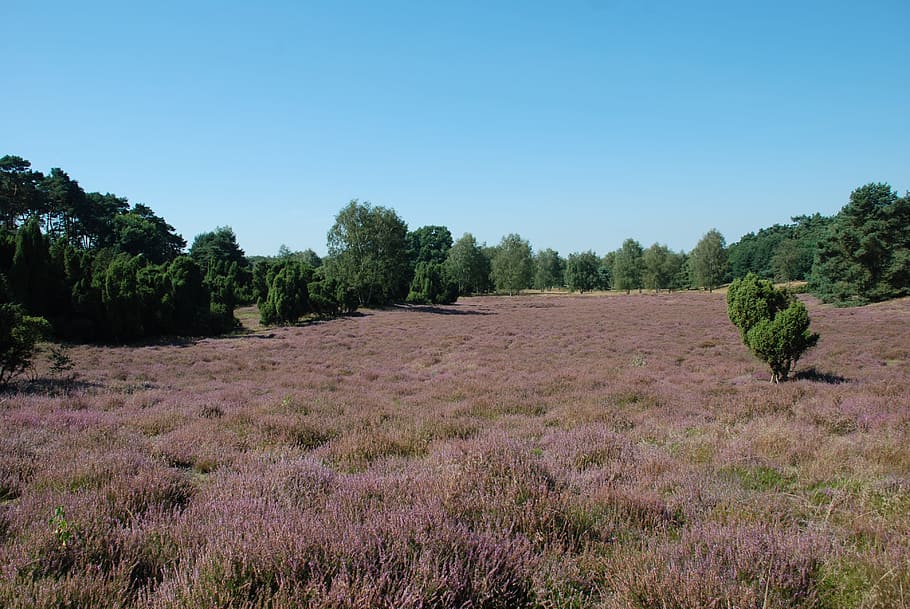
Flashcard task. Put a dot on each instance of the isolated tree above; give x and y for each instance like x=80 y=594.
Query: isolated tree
x=512 y=265
x=549 y=270
x=368 y=250
x=708 y=261
x=468 y=266
x=772 y=323
x=627 y=266
x=581 y=271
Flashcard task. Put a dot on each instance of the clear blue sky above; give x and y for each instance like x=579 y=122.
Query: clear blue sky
x=575 y=123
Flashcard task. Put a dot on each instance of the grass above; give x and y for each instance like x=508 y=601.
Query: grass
x=535 y=451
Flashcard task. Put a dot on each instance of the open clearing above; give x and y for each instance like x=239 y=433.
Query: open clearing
x=537 y=451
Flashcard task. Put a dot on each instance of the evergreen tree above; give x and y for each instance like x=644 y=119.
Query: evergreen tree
x=288 y=297
x=865 y=255
x=773 y=324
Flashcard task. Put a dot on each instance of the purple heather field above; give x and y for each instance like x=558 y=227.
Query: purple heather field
x=536 y=451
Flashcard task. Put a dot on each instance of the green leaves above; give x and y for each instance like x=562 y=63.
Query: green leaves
x=19 y=333
x=863 y=256
x=773 y=324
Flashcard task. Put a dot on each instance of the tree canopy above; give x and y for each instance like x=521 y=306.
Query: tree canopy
x=708 y=261
x=582 y=272
x=468 y=266
x=865 y=254
x=512 y=265
x=368 y=250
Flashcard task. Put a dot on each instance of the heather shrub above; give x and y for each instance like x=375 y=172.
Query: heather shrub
x=16 y=467
x=717 y=566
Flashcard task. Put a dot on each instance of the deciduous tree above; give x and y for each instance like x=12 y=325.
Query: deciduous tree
x=708 y=261
x=512 y=266
x=468 y=266
x=549 y=269
x=368 y=250
x=581 y=271
x=627 y=266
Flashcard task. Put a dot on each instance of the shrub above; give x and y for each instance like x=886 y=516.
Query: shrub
x=772 y=323
x=432 y=285
x=19 y=334
x=288 y=298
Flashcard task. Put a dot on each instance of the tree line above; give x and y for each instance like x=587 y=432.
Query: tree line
x=98 y=268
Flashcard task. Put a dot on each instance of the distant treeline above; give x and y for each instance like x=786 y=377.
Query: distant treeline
x=100 y=269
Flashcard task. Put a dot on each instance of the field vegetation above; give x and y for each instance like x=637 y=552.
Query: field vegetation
x=535 y=451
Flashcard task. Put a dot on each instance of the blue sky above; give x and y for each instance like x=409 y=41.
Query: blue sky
x=575 y=124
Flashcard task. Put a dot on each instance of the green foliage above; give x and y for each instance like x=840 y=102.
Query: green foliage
x=773 y=324
x=708 y=261
x=368 y=251
x=782 y=340
x=59 y=360
x=141 y=232
x=468 y=266
x=330 y=297
x=549 y=270
x=661 y=268
x=865 y=254
x=512 y=265
x=288 y=297
x=432 y=285
x=30 y=273
x=228 y=273
x=582 y=272
x=429 y=244
x=120 y=297
x=19 y=196
x=188 y=297
x=780 y=252
x=19 y=333
x=627 y=266
x=62 y=528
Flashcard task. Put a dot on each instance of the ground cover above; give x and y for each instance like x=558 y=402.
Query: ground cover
x=539 y=451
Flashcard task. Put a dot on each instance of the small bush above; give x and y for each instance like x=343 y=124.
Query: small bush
x=19 y=333
x=772 y=323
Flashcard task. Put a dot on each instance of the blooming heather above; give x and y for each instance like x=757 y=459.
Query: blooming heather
x=536 y=451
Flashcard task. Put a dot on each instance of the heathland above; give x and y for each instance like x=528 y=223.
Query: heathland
x=533 y=451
